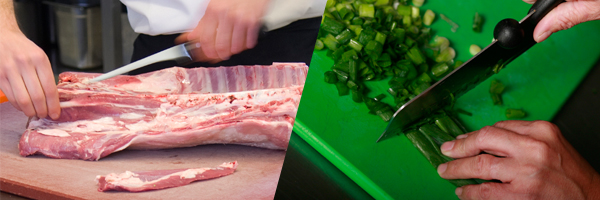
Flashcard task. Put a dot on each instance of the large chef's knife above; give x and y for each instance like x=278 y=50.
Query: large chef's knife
x=512 y=38
x=180 y=53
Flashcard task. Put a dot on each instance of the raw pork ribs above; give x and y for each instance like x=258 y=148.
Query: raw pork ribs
x=175 y=107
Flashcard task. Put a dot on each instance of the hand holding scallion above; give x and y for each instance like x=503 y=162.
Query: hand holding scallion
x=531 y=159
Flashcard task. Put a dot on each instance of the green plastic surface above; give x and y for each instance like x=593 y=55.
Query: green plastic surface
x=539 y=81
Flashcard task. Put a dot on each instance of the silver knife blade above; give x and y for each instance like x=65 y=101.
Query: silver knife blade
x=179 y=53
x=459 y=81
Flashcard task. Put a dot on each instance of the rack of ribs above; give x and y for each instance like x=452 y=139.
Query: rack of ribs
x=170 y=108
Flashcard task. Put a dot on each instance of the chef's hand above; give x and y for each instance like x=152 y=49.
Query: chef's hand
x=531 y=158
x=565 y=16
x=228 y=27
x=26 y=76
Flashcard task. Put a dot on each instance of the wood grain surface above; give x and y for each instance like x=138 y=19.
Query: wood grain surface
x=39 y=177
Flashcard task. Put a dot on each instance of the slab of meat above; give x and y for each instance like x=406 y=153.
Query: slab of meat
x=175 y=107
x=160 y=179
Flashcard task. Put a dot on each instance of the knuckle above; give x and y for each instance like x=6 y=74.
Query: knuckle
x=481 y=163
x=548 y=128
x=485 y=191
x=541 y=152
x=484 y=134
x=23 y=102
x=21 y=59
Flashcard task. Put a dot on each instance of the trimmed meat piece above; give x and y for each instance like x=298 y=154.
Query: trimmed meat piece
x=161 y=179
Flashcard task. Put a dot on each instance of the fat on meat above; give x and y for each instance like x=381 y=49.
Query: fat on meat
x=174 y=107
x=161 y=179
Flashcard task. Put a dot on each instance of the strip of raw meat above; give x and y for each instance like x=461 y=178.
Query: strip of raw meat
x=160 y=179
x=102 y=118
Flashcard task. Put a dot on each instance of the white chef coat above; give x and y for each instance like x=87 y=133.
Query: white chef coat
x=161 y=17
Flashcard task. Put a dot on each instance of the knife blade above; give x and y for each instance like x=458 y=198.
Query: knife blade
x=180 y=53
x=480 y=67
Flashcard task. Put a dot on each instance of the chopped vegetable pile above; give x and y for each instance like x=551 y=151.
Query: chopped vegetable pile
x=375 y=40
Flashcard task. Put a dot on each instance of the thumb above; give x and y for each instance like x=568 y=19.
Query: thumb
x=565 y=16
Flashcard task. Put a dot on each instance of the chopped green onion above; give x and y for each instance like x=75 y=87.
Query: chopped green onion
x=344 y=37
x=474 y=49
x=353 y=70
x=379 y=97
x=418 y=3
x=366 y=36
x=446 y=55
x=454 y=25
x=330 y=42
x=331 y=77
x=477 y=23
x=415 y=13
x=319 y=45
x=421 y=88
x=424 y=78
x=330 y=3
x=515 y=113
x=355 y=45
x=366 y=10
x=428 y=17
x=385 y=115
x=385 y=60
x=332 y=26
x=341 y=75
x=404 y=10
x=373 y=49
x=496 y=89
x=440 y=42
x=356 y=28
x=439 y=69
x=357 y=96
x=342 y=89
x=380 y=37
x=349 y=55
x=352 y=85
x=416 y=56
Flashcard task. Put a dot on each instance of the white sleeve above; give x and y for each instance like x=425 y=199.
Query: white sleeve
x=283 y=12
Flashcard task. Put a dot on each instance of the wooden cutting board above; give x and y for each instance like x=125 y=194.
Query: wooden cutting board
x=40 y=177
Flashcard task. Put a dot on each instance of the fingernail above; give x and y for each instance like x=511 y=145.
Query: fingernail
x=442 y=168
x=447 y=146
x=458 y=191
x=543 y=36
x=461 y=136
x=54 y=116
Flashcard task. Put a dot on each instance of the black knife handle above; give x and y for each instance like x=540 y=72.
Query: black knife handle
x=541 y=8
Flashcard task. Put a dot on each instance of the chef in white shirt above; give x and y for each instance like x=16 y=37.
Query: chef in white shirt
x=226 y=29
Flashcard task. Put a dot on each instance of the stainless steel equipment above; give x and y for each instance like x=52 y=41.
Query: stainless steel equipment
x=79 y=34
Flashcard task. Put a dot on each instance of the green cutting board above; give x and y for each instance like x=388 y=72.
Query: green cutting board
x=539 y=81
